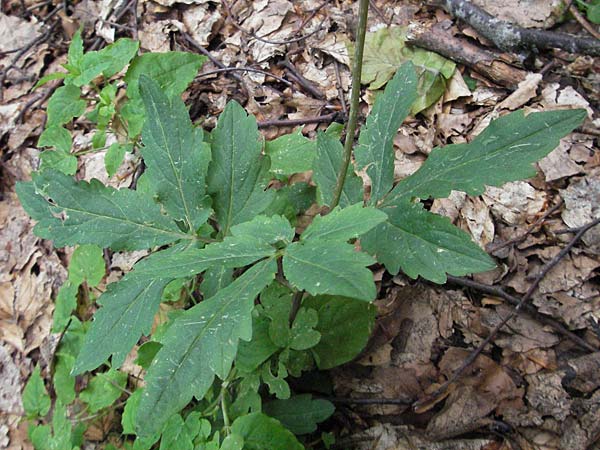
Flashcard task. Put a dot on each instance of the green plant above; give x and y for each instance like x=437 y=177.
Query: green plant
x=217 y=368
x=592 y=10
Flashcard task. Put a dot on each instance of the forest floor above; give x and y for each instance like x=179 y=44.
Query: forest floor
x=536 y=385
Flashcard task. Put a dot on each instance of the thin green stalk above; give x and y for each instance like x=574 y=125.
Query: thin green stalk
x=363 y=11
x=226 y=422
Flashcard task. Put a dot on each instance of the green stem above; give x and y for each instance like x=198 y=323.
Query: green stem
x=224 y=411
x=363 y=11
x=296 y=302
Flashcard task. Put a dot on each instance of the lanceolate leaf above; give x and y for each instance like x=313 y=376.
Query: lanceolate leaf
x=71 y=212
x=425 y=244
x=326 y=167
x=504 y=151
x=376 y=142
x=130 y=304
x=175 y=155
x=268 y=229
x=235 y=251
x=128 y=307
x=200 y=344
x=236 y=172
x=329 y=267
x=344 y=224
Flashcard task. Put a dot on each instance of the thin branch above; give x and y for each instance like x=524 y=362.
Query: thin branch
x=327 y=118
x=530 y=309
x=363 y=12
x=244 y=69
x=510 y=37
x=23 y=51
x=303 y=82
x=236 y=24
x=583 y=22
x=296 y=303
x=338 y=79
x=530 y=229
x=473 y=356
x=369 y=401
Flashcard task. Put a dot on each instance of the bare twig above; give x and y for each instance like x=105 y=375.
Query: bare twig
x=530 y=309
x=118 y=14
x=370 y=401
x=490 y=64
x=583 y=22
x=37 y=99
x=244 y=69
x=38 y=40
x=327 y=118
x=303 y=82
x=509 y=37
x=338 y=78
x=473 y=356
x=236 y=24
x=530 y=229
x=296 y=303
x=214 y=60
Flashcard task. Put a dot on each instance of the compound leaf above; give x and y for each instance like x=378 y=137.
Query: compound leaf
x=261 y=432
x=375 y=150
x=329 y=267
x=71 y=212
x=504 y=151
x=128 y=307
x=300 y=414
x=425 y=244
x=326 y=167
x=237 y=173
x=200 y=344
x=175 y=155
x=343 y=224
x=234 y=251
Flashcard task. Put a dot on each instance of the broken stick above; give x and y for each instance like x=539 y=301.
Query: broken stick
x=510 y=37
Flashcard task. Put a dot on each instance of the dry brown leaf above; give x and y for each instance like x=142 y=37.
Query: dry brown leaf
x=16 y=33
x=199 y=21
x=521 y=334
x=476 y=216
x=529 y=14
x=582 y=205
x=526 y=90
x=547 y=396
x=559 y=164
x=515 y=203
